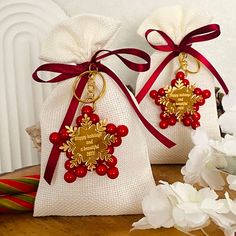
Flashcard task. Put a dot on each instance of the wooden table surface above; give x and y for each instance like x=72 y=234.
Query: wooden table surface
x=25 y=224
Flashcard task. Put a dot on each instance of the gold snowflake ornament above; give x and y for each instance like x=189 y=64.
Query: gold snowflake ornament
x=180 y=101
x=88 y=143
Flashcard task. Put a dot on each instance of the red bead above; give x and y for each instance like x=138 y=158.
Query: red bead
x=110 y=150
x=122 y=130
x=67 y=165
x=163 y=124
x=201 y=102
x=157 y=100
x=100 y=161
x=172 y=121
x=81 y=171
x=163 y=107
x=180 y=75
x=94 y=118
x=161 y=92
x=101 y=169
x=173 y=82
x=54 y=138
x=195 y=124
x=186 y=114
x=79 y=120
x=195 y=107
x=163 y=116
x=117 y=142
x=196 y=116
x=113 y=172
x=64 y=134
x=197 y=91
x=87 y=110
x=186 y=82
x=206 y=93
x=69 y=177
x=187 y=121
x=69 y=154
x=153 y=94
x=112 y=162
x=111 y=128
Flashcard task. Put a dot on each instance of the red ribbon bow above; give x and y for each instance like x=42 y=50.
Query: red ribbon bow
x=70 y=71
x=202 y=34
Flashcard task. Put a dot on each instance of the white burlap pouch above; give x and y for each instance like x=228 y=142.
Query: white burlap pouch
x=75 y=41
x=176 y=22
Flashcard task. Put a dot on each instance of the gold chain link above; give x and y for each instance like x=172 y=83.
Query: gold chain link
x=184 y=64
x=91 y=87
x=183 y=61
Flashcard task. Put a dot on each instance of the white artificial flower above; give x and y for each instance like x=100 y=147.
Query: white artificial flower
x=227 y=221
x=223 y=214
x=226 y=145
x=177 y=205
x=227 y=120
x=231 y=205
x=230 y=231
x=231 y=180
x=202 y=161
x=182 y=206
x=187 y=213
x=157 y=209
x=228 y=101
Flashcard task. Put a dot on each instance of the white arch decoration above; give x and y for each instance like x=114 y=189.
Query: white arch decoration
x=23 y=26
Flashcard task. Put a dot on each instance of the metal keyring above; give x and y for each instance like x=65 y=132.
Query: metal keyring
x=183 y=64
x=94 y=73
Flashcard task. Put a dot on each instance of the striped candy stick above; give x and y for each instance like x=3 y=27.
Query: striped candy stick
x=19 y=185
x=17 y=203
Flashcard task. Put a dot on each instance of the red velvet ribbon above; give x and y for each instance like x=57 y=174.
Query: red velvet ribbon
x=67 y=71
x=202 y=34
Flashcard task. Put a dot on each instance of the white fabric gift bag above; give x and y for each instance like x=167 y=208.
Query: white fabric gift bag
x=75 y=41
x=176 y=22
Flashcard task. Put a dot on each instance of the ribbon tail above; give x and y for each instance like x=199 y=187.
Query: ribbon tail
x=65 y=71
x=55 y=152
x=147 y=86
x=209 y=66
x=164 y=140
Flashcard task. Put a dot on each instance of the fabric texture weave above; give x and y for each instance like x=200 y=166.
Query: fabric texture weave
x=176 y=22
x=75 y=41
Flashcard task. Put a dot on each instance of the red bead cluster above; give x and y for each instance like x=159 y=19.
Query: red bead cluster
x=103 y=167
x=188 y=119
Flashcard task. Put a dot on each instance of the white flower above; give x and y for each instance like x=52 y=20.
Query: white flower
x=231 y=204
x=227 y=221
x=182 y=206
x=230 y=231
x=202 y=161
x=157 y=210
x=187 y=213
x=231 y=180
x=227 y=145
x=228 y=101
x=177 y=205
x=227 y=120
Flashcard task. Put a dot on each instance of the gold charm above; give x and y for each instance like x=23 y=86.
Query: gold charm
x=180 y=101
x=89 y=145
